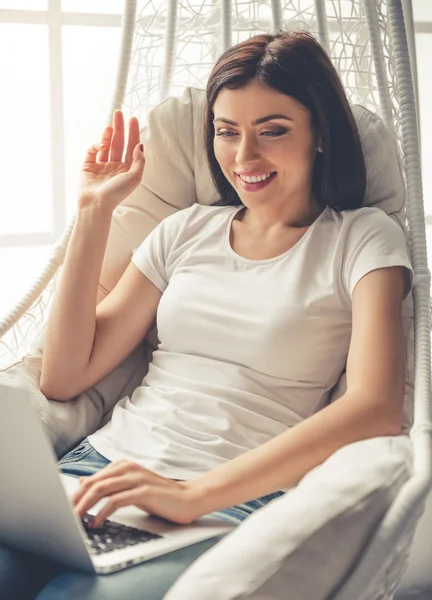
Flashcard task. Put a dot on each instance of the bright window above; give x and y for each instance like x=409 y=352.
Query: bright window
x=48 y=126
x=25 y=124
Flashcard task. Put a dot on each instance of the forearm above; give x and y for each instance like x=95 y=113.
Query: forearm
x=283 y=461
x=70 y=329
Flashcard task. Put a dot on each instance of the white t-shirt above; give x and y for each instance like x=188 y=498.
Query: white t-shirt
x=248 y=348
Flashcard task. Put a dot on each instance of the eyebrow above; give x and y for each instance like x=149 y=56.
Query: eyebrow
x=257 y=122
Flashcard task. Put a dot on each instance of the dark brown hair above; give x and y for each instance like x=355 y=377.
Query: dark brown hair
x=296 y=65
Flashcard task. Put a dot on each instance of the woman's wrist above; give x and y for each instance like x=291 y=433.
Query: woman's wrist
x=200 y=497
x=94 y=203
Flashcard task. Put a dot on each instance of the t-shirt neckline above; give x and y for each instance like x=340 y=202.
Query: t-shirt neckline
x=274 y=258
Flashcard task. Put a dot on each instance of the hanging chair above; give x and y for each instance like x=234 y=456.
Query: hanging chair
x=380 y=549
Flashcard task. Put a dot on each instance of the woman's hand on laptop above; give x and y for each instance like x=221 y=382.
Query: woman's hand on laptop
x=125 y=483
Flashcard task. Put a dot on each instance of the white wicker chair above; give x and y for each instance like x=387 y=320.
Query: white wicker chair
x=368 y=42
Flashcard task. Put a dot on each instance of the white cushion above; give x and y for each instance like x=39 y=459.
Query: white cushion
x=385 y=186
x=302 y=545
x=418 y=574
x=67 y=423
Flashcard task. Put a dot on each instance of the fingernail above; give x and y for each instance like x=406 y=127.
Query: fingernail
x=142 y=147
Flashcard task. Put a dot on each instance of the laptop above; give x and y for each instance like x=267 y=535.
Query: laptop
x=37 y=515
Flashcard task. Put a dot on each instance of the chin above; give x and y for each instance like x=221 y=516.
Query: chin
x=255 y=199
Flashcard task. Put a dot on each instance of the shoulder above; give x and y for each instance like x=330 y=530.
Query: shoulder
x=369 y=223
x=191 y=214
x=364 y=216
x=370 y=240
x=204 y=212
x=200 y=217
x=192 y=223
x=199 y=212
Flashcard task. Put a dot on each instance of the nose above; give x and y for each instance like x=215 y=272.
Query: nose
x=247 y=151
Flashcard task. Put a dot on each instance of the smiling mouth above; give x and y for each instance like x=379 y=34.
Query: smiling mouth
x=255 y=183
x=255 y=178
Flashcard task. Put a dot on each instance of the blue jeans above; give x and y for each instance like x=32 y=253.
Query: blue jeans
x=25 y=576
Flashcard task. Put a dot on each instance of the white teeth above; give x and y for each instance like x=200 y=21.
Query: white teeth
x=255 y=178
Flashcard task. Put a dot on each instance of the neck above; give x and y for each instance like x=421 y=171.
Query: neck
x=262 y=219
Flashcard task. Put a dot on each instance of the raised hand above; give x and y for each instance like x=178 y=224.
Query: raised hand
x=109 y=175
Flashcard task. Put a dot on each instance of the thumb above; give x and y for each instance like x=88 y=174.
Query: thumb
x=138 y=159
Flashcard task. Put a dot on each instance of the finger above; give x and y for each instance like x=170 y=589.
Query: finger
x=103 y=154
x=117 y=141
x=87 y=481
x=103 y=489
x=91 y=154
x=117 y=468
x=126 y=498
x=122 y=466
x=136 y=170
x=133 y=139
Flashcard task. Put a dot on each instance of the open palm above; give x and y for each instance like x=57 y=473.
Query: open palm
x=106 y=175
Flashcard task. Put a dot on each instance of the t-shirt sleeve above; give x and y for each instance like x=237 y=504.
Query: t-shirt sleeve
x=152 y=255
x=375 y=241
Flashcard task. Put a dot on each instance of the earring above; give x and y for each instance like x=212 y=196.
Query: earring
x=320 y=149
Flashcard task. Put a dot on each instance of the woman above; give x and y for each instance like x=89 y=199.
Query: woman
x=261 y=301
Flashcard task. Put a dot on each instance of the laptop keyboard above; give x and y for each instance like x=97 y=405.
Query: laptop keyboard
x=113 y=536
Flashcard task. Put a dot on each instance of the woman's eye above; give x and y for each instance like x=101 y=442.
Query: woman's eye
x=225 y=133
x=268 y=133
x=274 y=132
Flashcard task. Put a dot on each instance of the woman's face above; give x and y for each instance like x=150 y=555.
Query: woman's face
x=263 y=134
